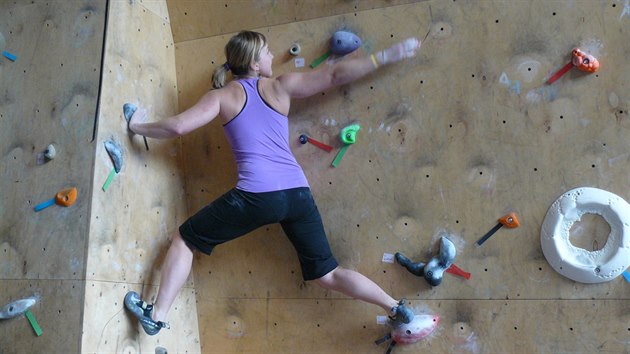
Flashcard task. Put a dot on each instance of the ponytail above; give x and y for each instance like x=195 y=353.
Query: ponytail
x=219 y=76
x=240 y=51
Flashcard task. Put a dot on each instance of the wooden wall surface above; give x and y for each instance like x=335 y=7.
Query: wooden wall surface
x=194 y=19
x=48 y=95
x=134 y=219
x=450 y=141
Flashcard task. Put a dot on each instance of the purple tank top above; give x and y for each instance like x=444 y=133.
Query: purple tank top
x=259 y=137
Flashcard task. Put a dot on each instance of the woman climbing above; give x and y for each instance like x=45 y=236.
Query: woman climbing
x=271 y=186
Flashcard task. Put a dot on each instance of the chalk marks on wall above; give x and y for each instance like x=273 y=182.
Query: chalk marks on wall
x=514 y=88
x=465 y=339
x=626 y=10
x=534 y=95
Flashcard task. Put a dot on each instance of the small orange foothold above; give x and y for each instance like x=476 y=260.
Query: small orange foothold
x=584 y=61
x=66 y=197
x=510 y=221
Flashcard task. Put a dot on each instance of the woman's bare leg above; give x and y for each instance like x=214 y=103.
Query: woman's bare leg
x=175 y=271
x=358 y=286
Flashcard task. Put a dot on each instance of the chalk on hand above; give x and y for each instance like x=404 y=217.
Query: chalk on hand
x=9 y=56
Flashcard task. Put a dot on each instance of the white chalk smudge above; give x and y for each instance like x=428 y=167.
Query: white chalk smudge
x=613 y=100
x=626 y=10
x=616 y=159
x=503 y=79
x=528 y=69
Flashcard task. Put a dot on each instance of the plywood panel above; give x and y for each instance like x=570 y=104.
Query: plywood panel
x=35 y=113
x=450 y=141
x=48 y=95
x=134 y=219
x=112 y=330
x=194 y=19
x=465 y=326
x=58 y=312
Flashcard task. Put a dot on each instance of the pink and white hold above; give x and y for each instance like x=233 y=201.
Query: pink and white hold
x=416 y=330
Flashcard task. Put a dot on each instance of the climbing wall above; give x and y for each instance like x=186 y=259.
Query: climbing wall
x=48 y=95
x=449 y=142
x=134 y=216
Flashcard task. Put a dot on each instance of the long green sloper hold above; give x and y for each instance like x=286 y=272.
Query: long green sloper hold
x=34 y=324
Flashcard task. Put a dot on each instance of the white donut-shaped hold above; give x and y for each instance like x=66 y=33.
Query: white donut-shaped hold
x=577 y=263
x=295 y=49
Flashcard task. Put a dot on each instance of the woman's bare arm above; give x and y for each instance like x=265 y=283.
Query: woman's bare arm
x=202 y=113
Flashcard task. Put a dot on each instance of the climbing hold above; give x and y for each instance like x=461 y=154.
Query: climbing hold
x=17 y=307
x=510 y=221
x=115 y=153
x=584 y=61
x=433 y=271
x=419 y=328
x=577 y=263
x=579 y=59
x=50 y=152
x=344 y=42
x=341 y=43
x=295 y=49
x=65 y=197
x=348 y=136
x=128 y=110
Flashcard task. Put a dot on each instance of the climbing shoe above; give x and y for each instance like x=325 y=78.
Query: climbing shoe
x=142 y=311
x=401 y=314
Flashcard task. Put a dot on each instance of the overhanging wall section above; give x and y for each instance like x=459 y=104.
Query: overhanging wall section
x=48 y=95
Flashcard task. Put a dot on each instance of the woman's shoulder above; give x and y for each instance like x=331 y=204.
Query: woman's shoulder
x=272 y=86
x=230 y=90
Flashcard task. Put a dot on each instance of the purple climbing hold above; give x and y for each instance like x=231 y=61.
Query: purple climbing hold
x=343 y=42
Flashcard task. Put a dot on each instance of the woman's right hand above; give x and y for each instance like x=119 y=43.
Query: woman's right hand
x=138 y=117
x=399 y=51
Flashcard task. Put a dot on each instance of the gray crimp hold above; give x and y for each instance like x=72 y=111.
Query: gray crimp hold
x=128 y=110
x=16 y=308
x=115 y=153
x=50 y=152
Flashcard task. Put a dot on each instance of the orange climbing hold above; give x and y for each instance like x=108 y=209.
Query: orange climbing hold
x=66 y=197
x=584 y=61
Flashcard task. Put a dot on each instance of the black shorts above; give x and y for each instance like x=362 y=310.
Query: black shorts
x=238 y=212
